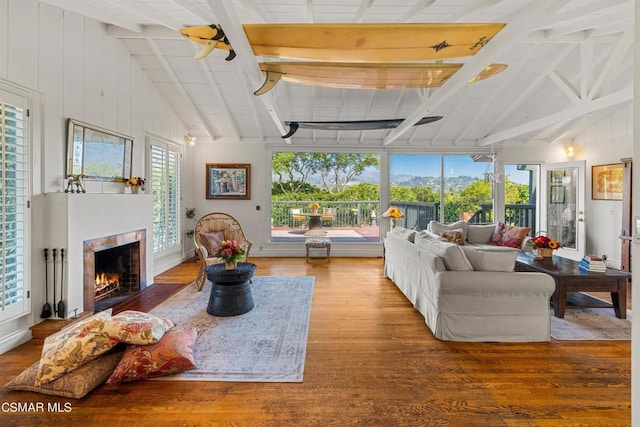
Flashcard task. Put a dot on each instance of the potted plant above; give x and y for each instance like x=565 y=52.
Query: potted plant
x=190 y=213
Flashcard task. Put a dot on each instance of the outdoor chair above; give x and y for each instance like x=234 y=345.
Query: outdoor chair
x=210 y=230
x=296 y=217
x=328 y=216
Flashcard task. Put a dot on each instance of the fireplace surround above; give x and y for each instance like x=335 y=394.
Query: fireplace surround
x=129 y=265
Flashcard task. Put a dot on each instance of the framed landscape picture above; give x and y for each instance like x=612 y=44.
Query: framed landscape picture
x=606 y=181
x=228 y=181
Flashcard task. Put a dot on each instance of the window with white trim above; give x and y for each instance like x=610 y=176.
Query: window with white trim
x=14 y=183
x=165 y=189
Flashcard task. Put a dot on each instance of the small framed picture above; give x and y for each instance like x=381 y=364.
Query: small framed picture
x=556 y=194
x=557 y=176
x=606 y=181
x=228 y=181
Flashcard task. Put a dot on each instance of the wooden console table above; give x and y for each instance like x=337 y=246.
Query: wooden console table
x=569 y=278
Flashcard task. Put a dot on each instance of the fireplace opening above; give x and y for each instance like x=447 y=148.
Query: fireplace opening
x=114 y=269
x=117 y=275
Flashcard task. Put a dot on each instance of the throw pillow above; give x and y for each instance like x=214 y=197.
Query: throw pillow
x=452 y=254
x=480 y=233
x=483 y=260
x=72 y=347
x=497 y=235
x=405 y=233
x=135 y=327
x=437 y=227
x=171 y=355
x=211 y=241
x=513 y=236
x=453 y=236
x=76 y=384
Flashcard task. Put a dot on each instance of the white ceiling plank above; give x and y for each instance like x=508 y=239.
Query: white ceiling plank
x=475 y=6
x=533 y=85
x=201 y=16
x=617 y=98
x=135 y=8
x=365 y=6
x=617 y=56
x=167 y=68
x=233 y=29
x=417 y=7
x=526 y=21
x=206 y=71
x=86 y=10
x=144 y=32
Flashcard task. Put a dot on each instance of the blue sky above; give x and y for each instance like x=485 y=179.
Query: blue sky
x=461 y=165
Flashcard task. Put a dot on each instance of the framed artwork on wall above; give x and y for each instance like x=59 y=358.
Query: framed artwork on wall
x=606 y=181
x=228 y=181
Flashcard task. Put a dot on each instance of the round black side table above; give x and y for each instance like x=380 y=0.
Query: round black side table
x=230 y=290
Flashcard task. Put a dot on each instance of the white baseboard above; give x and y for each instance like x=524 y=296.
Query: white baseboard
x=14 y=339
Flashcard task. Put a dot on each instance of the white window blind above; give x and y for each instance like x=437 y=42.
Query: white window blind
x=165 y=188
x=13 y=205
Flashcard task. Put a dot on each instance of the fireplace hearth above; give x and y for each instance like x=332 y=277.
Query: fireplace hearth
x=114 y=269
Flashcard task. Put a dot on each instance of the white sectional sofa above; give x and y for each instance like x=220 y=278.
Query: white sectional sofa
x=469 y=292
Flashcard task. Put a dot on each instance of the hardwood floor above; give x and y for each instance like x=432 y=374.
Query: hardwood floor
x=371 y=361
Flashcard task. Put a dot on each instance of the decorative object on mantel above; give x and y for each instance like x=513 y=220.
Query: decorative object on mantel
x=75 y=181
x=136 y=183
x=542 y=245
x=394 y=213
x=230 y=252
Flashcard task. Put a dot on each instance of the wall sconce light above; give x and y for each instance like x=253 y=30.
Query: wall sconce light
x=189 y=139
x=394 y=213
x=570 y=150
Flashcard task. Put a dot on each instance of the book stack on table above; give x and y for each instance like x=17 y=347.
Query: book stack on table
x=592 y=263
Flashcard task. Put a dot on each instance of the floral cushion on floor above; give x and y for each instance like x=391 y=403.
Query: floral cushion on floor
x=76 y=384
x=171 y=355
x=136 y=327
x=74 y=346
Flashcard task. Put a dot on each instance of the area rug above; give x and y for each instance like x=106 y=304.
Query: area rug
x=591 y=324
x=298 y=235
x=267 y=344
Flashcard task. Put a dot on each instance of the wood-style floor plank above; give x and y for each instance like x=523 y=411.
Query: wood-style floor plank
x=371 y=361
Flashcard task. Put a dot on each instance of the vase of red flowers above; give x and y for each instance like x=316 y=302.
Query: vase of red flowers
x=230 y=252
x=543 y=246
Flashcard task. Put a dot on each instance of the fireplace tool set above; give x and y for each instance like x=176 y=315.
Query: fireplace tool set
x=59 y=309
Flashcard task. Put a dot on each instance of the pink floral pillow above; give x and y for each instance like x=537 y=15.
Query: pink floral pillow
x=498 y=234
x=171 y=355
x=513 y=236
x=74 y=346
x=136 y=327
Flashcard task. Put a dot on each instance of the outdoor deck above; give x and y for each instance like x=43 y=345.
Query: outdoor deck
x=354 y=234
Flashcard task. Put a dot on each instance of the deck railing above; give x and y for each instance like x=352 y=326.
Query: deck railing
x=416 y=214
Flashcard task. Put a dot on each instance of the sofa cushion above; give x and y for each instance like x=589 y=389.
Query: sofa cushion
x=73 y=346
x=405 y=233
x=488 y=260
x=480 y=233
x=136 y=327
x=436 y=227
x=453 y=236
x=452 y=254
x=76 y=384
x=171 y=355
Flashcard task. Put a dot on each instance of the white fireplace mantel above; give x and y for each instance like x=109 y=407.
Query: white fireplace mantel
x=74 y=218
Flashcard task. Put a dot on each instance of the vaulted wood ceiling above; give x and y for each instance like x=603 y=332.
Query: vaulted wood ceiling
x=570 y=63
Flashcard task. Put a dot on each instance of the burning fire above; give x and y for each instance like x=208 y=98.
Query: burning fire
x=103 y=279
x=106 y=285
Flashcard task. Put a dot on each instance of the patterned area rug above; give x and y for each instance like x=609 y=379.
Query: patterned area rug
x=267 y=344
x=590 y=324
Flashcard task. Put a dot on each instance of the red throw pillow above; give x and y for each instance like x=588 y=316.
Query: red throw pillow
x=513 y=236
x=498 y=233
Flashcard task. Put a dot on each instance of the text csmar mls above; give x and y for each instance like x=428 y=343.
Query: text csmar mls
x=8 y=407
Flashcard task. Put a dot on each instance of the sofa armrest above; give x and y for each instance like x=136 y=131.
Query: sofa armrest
x=496 y=283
